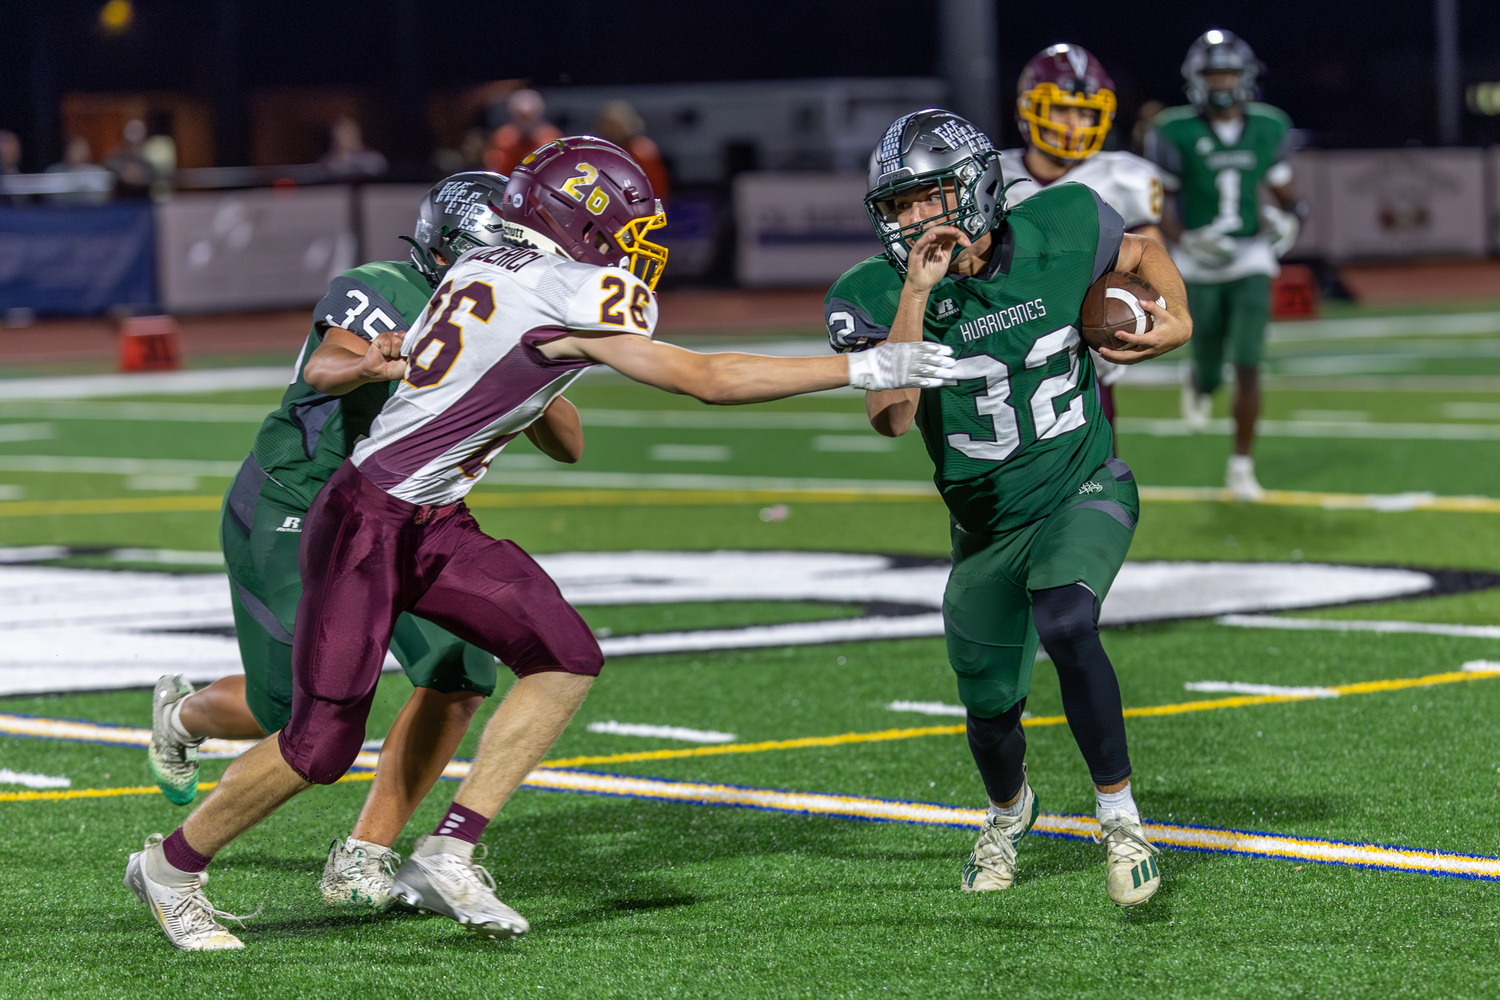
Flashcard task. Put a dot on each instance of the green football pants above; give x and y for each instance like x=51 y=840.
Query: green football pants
x=987 y=618
x=265 y=585
x=1233 y=312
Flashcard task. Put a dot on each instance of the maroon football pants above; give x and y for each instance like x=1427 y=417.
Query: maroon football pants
x=366 y=557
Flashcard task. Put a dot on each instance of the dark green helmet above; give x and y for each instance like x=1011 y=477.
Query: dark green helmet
x=933 y=147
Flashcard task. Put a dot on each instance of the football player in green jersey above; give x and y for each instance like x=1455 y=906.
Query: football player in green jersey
x=1041 y=514
x=348 y=368
x=1218 y=154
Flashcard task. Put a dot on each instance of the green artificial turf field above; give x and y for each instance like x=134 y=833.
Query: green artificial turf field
x=632 y=897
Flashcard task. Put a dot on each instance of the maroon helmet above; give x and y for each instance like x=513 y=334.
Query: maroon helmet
x=585 y=198
x=1065 y=76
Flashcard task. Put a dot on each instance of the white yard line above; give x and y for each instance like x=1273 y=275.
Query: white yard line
x=1245 y=843
x=197 y=413
x=689 y=481
x=27 y=432
x=1240 y=687
x=928 y=708
x=613 y=728
x=791 y=634
x=29 y=780
x=119 y=466
x=147 y=383
x=1331 y=625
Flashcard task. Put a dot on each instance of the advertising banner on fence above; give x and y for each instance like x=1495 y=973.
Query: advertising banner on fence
x=76 y=261
x=1404 y=203
x=262 y=249
x=800 y=229
x=387 y=212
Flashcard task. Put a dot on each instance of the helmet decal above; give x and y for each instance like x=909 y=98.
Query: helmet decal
x=933 y=149
x=457 y=214
x=585 y=198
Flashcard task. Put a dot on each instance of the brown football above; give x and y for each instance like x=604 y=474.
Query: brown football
x=1112 y=304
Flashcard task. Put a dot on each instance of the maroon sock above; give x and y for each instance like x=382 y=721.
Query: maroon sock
x=463 y=823
x=180 y=854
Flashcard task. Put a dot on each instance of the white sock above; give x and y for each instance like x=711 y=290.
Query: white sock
x=434 y=844
x=1116 y=802
x=1242 y=463
x=174 y=724
x=163 y=872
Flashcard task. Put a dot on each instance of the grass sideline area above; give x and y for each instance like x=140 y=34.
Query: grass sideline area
x=638 y=898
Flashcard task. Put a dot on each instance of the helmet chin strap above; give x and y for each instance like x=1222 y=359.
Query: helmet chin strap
x=426 y=262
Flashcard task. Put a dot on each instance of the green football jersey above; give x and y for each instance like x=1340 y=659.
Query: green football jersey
x=304 y=440
x=1022 y=430
x=1219 y=182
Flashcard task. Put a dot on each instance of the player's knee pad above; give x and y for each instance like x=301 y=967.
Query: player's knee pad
x=1065 y=616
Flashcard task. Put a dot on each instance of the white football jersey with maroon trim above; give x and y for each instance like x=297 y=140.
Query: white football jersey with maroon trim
x=475 y=378
x=1127 y=183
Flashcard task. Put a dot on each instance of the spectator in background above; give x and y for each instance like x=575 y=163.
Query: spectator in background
x=10 y=152
x=622 y=126
x=526 y=130
x=10 y=158
x=468 y=156
x=133 y=172
x=348 y=158
x=79 y=159
x=161 y=152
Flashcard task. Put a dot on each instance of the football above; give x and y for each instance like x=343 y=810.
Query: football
x=1113 y=304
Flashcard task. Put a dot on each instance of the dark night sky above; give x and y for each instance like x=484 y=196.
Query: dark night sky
x=1354 y=76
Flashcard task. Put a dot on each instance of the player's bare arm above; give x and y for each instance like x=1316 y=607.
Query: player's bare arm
x=731 y=378
x=558 y=432
x=345 y=361
x=1172 y=326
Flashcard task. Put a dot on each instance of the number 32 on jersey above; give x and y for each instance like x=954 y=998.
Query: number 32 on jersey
x=996 y=405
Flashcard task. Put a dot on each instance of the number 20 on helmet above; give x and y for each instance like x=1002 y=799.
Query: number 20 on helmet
x=586 y=198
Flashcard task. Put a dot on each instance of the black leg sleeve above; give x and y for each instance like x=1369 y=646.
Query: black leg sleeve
x=1067 y=619
x=999 y=748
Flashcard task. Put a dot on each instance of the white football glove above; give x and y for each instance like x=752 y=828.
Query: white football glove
x=1283 y=226
x=902 y=366
x=1208 y=246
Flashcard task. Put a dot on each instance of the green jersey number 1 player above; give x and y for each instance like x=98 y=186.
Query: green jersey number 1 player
x=1218 y=154
x=1041 y=515
x=342 y=380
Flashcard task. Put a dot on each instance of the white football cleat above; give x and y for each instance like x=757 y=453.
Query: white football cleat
x=456 y=886
x=1197 y=407
x=185 y=915
x=992 y=863
x=1131 y=875
x=358 y=875
x=174 y=763
x=1239 y=476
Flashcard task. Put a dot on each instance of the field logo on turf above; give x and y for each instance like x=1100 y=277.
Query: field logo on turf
x=291 y=524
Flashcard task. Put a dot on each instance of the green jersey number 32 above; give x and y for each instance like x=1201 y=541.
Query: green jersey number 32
x=995 y=404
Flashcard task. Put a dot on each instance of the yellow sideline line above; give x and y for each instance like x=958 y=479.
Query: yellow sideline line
x=844 y=739
x=1238 y=701
x=1327 y=501
x=109 y=505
